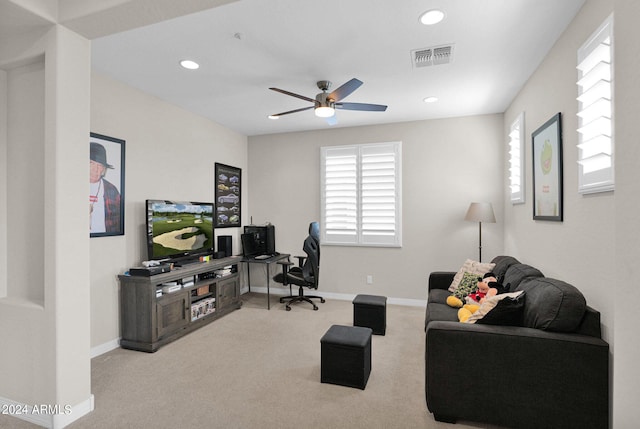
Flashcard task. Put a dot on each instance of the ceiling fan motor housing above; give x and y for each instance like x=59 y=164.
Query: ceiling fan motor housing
x=322 y=100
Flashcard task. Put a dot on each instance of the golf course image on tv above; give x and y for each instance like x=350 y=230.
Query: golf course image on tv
x=179 y=228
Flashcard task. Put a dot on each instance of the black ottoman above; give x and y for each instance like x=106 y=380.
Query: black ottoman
x=345 y=356
x=370 y=311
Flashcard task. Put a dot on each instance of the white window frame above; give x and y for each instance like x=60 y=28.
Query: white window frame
x=596 y=160
x=516 y=160
x=356 y=210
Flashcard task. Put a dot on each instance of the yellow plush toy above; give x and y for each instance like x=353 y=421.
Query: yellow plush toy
x=454 y=301
x=466 y=311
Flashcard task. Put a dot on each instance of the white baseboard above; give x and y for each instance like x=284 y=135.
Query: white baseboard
x=280 y=291
x=47 y=415
x=106 y=347
x=408 y=302
x=80 y=410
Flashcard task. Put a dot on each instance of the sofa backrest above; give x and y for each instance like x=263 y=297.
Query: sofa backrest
x=516 y=273
x=502 y=264
x=590 y=323
x=552 y=304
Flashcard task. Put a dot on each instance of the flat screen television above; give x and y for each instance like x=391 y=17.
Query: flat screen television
x=179 y=230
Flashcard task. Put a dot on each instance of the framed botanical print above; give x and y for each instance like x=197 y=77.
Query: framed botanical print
x=106 y=185
x=547 y=170
x=228 y=182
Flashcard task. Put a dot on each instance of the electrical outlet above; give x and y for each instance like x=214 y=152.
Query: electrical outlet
x=369 y=279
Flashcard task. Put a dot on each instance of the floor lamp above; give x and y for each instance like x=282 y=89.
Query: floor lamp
x=480 y=212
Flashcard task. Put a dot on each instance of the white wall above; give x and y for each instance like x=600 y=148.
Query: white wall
x=25 y=287
x=44 y=310
x=447 y=164
x=623 y=283
x=3 y=180
x=26 y=170
x=580 y=250
x=170 y=154
x=596 y=247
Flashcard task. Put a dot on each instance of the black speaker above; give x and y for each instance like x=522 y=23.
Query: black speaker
x=224 y=245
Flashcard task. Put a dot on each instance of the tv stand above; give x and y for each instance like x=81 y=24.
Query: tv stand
x=151 y=317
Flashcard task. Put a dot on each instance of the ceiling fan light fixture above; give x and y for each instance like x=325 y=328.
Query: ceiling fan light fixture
x=432 y=17
x=189 y=65
x=324 y=111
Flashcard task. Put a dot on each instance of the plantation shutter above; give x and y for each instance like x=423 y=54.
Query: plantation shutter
x=340 y=194
x=516 y=160
x=361 y=198
x=379 y=194
x=595 y=112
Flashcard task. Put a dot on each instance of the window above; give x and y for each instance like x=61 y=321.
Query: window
x=516 y=160
x=595 y=112
x=361 y=194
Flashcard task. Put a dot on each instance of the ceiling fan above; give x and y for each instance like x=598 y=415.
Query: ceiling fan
x=325 y=103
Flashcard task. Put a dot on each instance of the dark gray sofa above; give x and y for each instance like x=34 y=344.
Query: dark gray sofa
x=551 y=370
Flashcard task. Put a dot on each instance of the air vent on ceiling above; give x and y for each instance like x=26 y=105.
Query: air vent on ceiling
x=432 y=56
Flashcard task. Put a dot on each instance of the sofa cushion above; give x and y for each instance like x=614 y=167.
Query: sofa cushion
x=503 y=309
x=438 y=295
x=518 y=272
x=441 y=313
x=473 y=267
x=552 y=305
x=502 y=264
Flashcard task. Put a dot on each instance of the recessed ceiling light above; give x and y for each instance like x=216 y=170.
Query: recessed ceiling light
x=432 y=16
x=430 y=99
x=188 y=64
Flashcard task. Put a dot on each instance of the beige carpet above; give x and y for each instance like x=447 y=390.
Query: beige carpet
x=256 y=368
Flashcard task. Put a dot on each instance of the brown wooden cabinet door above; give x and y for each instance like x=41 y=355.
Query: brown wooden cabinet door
x=172 y=313
x=228 y=292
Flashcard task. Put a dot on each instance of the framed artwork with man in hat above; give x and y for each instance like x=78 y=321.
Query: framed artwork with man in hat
x=106 y=183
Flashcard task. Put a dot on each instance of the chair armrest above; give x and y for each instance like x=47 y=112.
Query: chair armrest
x=440 y=279
x=285 y=271
x=301 y=260
x=551 y=379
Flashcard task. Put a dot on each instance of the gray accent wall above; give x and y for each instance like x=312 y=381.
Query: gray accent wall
x=446 y=164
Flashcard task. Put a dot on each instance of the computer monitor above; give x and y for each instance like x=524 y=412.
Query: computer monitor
x=249 y=248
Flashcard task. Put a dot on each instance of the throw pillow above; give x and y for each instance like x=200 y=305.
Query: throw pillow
x=508 y=308
x=468 y=284
x=473 y=267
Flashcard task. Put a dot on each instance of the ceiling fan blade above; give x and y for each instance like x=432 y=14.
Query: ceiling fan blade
x=292 y=111
x=302 y=97
x=345 y=90
x=361 y=106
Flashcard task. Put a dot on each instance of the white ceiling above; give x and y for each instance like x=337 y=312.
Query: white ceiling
x=248 y=46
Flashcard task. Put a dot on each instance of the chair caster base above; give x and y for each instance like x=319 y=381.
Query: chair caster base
x=288 y=300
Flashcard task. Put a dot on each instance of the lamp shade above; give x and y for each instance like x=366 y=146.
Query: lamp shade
x=480 y=212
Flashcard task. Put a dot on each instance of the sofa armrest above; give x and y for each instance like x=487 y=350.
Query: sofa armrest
x=523 y=377
x=440 y=279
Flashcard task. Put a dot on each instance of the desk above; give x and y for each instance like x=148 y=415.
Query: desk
x=267 y=262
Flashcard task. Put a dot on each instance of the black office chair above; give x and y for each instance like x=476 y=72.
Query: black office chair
x=307 y=272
